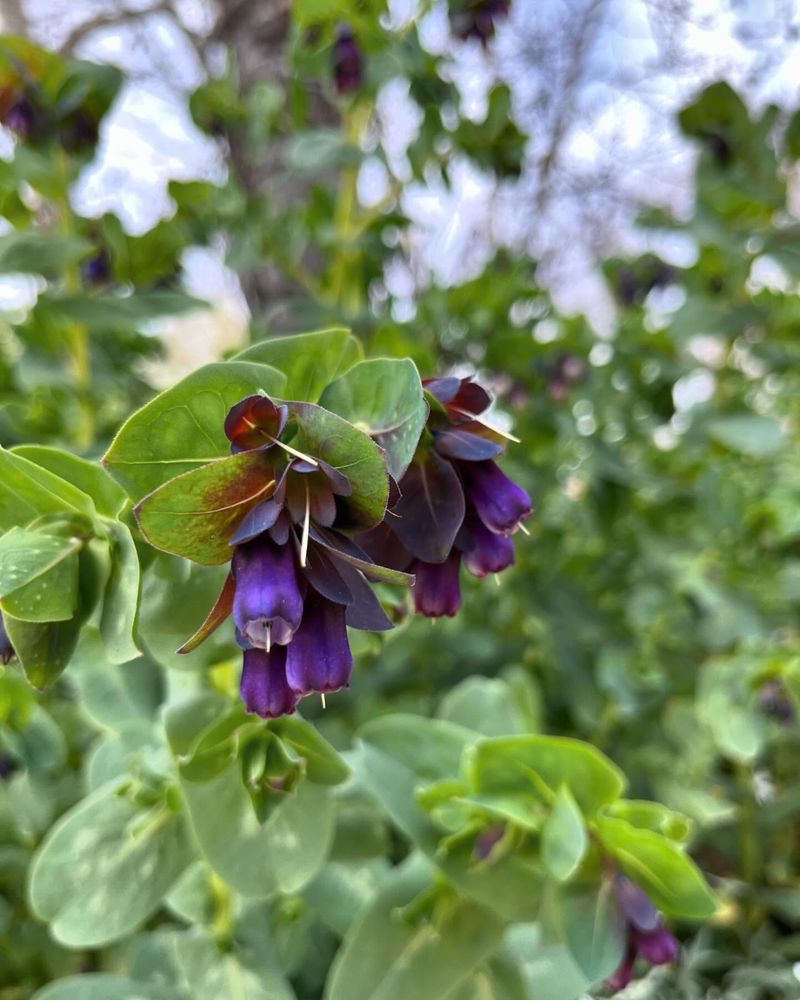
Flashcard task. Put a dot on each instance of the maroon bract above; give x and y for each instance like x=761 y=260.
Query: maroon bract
x=455 y=502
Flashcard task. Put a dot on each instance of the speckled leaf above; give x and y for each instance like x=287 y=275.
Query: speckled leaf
x=104 y=868
x=38 y=575
x=44 y=648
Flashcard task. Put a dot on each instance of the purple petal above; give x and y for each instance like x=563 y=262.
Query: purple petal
x=264 y=689
x=319 y=658
x=487 y=840
x=635 y=904
x=427 y=517
x=383 y=546
x=658 y=946
x=499 y=502
x=257 y=521
x=325 y=576
x=484 y=551
x=436 y=590
x=267 y=603
x=458 y=443
x=366 y=611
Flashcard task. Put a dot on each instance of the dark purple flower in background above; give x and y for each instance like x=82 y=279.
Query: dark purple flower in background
x=455 y=504
x=348 y=62
x=21 y=117
x=436 y=588
x=775 y=703
x=500 y=504
x=97 y=269
x=645 y=933
x=477 y=18
x=6 y=649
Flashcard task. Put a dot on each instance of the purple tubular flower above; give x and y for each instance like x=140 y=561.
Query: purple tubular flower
x=348 y=70
x=658 y=946
x=646 y=935
x=267 y=602
x=484 y=551
x=319 y=658
x=499 y=502
x=436 y=590
x=264 y=689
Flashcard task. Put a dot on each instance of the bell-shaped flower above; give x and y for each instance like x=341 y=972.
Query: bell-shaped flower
x=436 y=589
x=318 y=660
x=645 y=934
x=484 y=551
x=268 y=600
x=264 y=688
x=499 y=502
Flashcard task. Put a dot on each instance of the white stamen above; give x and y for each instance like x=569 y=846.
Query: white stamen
x=269 y=636
x=497 y=579
x=322 y=696
x=306 y=524
x=293 y=451
x=524 y=530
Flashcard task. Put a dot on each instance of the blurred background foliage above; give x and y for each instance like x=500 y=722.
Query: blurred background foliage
x=652 y=611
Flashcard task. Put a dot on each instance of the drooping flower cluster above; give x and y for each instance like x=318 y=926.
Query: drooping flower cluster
x=645 y=933
x=296 y=583
x=455 y=504
x=477 y=18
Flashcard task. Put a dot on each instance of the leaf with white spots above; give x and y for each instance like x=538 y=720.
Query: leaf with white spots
x=38 y=575
x=104 y=868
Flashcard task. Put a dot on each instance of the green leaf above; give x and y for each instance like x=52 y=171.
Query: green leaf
x=196 y=513
x=430 y=748
x=90 y=477
x=101 y=313
x=652 y=816
x=182 y=428
x=383 y=398
x=38 y=575
x=671 y=879
x=28 y=491
x=284 y=853
x=247 y=970
x=337 y=442
x=308 y=360
x=323 y=763
x=540 y=765
x=389 y=956
x=104 y=868
x=44 y=648
x=586 y=920
x=101 y=986
x=121 y=599
x=489 y=706
x=176 y=595
x=40 y=253
x=532 y=969
x=564 y=839
x=748 y=434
